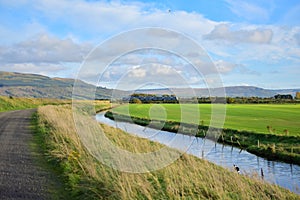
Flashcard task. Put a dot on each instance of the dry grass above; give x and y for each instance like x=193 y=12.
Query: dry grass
x=186 y=178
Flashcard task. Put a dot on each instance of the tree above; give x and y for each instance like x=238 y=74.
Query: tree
x=230 y=100
x=136 y=100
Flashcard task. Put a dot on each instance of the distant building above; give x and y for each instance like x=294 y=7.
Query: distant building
x=283 y=96
x=297 y=95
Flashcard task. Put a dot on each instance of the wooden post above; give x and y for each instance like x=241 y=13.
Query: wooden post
x=258 y=143
x=262 y=173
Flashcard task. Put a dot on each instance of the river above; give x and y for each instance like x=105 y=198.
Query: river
x=283 y=174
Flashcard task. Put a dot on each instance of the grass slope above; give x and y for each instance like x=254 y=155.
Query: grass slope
x=186 y=178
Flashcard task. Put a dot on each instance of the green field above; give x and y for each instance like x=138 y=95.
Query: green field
x=249 y=117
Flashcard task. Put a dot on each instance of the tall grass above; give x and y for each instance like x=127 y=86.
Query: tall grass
x=18 y=103
x=186 y=178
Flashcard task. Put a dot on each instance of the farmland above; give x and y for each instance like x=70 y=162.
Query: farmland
x=269 y=131
x=276 y=118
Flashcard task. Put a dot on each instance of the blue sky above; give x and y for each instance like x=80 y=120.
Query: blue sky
x=253 y=42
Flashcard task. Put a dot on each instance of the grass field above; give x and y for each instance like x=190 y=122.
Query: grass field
x=249 y=117
x=186 y=178
x=269 y=131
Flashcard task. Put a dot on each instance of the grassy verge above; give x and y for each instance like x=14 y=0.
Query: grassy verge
x=39 y=147
x=186 y=178
x=17 y=103
x=270 y=146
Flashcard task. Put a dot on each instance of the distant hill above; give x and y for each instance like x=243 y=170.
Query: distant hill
x=250 y=91
x=38 y=86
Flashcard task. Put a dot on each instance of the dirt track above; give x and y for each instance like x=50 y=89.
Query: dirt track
x=20 y=177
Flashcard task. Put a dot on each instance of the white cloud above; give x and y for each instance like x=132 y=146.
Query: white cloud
x=106 y=18
x=42 y=68
x=44 y=49
x=44 y=54
x=137 y=72
x=91 y=21
x=126 y=77
x=223 y=32
x=166 y=70
x=225 y=67
x=41 y=42
x=283 y=48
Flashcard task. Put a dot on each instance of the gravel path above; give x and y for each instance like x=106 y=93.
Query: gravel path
x=20 y=177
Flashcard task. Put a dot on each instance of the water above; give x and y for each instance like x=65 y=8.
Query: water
x=283 y=174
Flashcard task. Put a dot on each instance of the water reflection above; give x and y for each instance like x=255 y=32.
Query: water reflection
x=283 y=174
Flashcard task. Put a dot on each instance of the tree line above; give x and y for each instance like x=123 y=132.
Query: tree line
x=165 y=98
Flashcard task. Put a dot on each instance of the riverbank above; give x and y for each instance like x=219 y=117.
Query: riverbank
x=270 y=146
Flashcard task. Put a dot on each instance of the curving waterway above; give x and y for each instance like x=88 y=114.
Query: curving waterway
x=283 y=174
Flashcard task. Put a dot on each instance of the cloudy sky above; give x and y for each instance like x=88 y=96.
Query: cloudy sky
x=253 y=42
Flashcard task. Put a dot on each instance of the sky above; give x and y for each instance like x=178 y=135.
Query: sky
x=250 y=42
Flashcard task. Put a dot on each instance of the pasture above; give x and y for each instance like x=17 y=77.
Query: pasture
x=279 y=119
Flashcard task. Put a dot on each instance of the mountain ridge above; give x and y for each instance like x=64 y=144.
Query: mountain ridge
x=40 y=86
x=229 y=91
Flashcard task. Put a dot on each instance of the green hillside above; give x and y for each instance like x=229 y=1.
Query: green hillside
x=38 y=86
